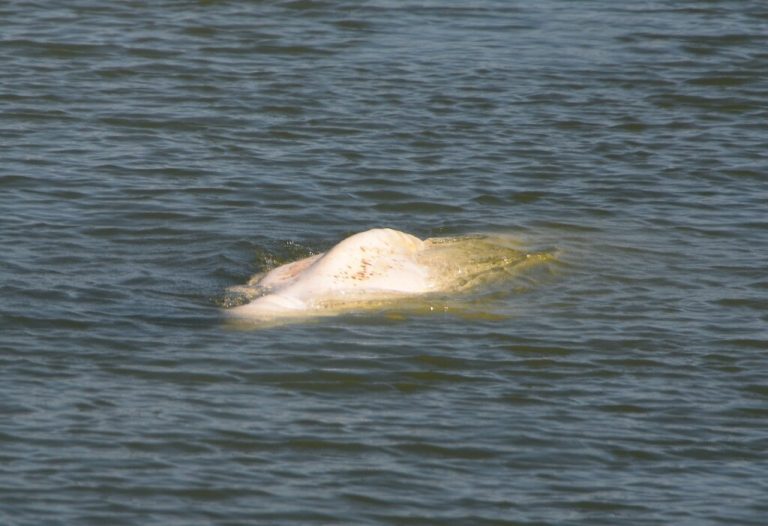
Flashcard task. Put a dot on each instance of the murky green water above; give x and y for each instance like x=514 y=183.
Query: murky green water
x=155 y=154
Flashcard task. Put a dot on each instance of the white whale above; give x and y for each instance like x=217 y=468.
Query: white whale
x=376 y=266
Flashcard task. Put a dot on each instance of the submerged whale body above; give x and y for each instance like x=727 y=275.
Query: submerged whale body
x=372 y=267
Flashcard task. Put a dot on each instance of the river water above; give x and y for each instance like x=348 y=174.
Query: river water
x=154 y=154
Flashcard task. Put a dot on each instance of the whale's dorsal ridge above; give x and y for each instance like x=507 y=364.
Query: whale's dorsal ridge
x=378 y=247
x=380 y=259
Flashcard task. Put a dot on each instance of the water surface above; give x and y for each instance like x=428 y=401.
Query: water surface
x=155 y=154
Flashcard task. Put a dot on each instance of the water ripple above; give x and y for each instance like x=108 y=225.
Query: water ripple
x=157 y=154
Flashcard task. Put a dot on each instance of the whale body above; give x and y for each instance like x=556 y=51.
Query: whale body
x=375 y=266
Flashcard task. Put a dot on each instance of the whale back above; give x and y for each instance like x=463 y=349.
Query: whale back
x=371 y=268
x=381 y=262
x=381 y=259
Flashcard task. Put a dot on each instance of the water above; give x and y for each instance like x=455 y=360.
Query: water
x=155 y=154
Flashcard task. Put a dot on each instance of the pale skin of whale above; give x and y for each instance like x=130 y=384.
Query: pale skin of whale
x=378 y=263
x=384 y=267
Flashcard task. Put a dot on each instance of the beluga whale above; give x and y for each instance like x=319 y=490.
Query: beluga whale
x=376 y=269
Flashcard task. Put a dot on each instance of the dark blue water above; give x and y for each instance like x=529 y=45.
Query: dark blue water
x=155 y=154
